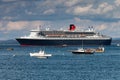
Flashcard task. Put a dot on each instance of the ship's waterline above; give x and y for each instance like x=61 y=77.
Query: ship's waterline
x=62 y=42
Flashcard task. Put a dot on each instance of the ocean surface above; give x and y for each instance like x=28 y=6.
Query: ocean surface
x=63 y=65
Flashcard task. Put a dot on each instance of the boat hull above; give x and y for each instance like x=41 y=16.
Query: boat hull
x=75 y=52
x=40 y=55
x=60 y=42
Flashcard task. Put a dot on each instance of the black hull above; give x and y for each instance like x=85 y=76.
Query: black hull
x=46 y=42
x=82 y=52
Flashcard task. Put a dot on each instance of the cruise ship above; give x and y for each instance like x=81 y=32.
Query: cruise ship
x=69 y=37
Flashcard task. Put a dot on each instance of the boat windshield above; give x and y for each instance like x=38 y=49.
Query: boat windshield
x=41 y=52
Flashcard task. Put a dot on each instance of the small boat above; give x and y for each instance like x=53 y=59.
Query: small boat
x=83 y=51
x=100 y=49
x=40 y=54
x=64 y=45
x=10 y=49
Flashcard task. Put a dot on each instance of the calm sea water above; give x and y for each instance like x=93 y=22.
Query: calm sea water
x=63 y=65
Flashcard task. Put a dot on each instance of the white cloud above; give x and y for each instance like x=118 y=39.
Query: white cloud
x=30 y=12
x=101 y=27
x=103 y=8
x=117 y=2
x=80 y=10
x=115 y=26
x=64 y=7
x=77 y=10
x=116 y=14
x=8 y=18
x=110 y=29
x=1 y=26
x=71 y=3
x=49 y=11
x=20 y=25
x=16 y=25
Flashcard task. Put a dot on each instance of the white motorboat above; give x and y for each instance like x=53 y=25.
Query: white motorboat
x=40 y=54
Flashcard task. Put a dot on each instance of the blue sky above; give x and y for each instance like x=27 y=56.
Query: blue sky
x=17 y=17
